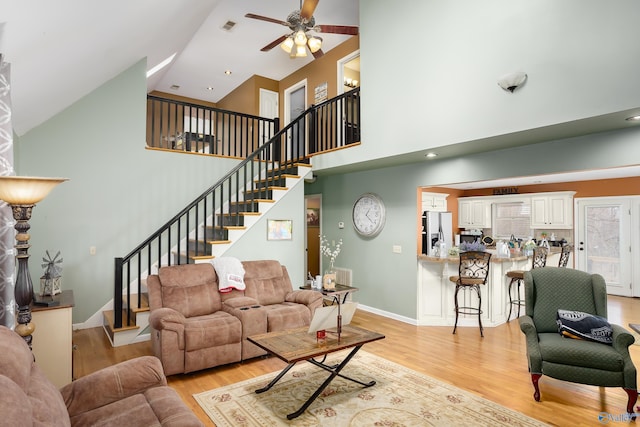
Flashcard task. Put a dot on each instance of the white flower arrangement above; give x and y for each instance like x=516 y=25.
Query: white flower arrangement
x=331 y=251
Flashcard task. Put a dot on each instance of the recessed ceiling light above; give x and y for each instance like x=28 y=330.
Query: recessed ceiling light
x=174 y=87
x=430 y=155
x=209 y=87
x=227 y=72
x=633 y=118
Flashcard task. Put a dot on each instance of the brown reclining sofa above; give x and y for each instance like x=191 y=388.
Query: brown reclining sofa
x=194 y=326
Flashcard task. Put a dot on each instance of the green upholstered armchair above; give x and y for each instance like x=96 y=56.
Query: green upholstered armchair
x=548 y=289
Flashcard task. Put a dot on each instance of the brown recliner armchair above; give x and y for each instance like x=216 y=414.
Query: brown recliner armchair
x=189 y=329
x=131 y=393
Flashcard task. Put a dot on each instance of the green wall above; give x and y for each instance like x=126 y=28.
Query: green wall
x=118 y=192
x=388 y=281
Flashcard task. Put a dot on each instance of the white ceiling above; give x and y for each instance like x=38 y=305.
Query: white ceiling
x=62 y=50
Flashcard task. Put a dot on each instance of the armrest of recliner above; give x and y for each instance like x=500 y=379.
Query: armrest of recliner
x=533 y=348
x=112 y=384
x=304 y=296
x=166 y=318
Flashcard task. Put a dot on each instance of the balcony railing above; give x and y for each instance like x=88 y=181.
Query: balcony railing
x=183 y=126
x=191 y=233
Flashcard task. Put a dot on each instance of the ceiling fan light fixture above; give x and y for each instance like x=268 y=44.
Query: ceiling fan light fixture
x=314 y=44
x=287 y=44
x=301 y=51
x=300 y=38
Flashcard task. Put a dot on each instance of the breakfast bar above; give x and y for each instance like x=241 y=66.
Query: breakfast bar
x=436 y=291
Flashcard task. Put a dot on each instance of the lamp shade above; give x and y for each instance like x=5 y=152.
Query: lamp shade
x=314 y=44
x=300 y=38
x=287 y=44
x=26 y=190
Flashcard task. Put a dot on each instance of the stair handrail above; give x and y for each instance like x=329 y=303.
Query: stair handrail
x=184 y=126
x=271 y=157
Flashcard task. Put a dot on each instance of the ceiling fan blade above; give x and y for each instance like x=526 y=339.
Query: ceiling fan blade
x=266 y=18
x=308 y=7
x=338 y=29
x=317 y=54
x=273 y=44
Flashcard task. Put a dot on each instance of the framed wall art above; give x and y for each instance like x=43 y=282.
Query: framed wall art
x=279 y=229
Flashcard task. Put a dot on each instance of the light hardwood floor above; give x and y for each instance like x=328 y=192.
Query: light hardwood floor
x=494 y=367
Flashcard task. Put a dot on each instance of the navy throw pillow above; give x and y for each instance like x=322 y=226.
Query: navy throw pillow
x=586 y=326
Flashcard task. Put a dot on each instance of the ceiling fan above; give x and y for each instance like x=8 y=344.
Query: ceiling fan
x=300 y=22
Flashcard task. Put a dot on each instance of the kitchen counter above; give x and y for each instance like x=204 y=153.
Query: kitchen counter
x=435 y=291
x=494 y=257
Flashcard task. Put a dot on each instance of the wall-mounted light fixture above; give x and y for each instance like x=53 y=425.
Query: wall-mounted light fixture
x=512 y=81
x=351 y=82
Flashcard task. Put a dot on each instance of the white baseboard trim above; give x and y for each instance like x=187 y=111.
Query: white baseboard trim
x=94 y=321
x=388 y=314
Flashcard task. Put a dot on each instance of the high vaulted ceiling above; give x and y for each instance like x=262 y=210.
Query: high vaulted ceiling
x=61 y=50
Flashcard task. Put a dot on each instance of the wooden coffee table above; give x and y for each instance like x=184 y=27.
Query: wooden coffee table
x=297 y=345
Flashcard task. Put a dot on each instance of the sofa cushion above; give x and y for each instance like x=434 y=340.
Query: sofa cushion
x=213 y=330
x=287 y=316
x=555 y=348
x=119 y=413
x=190 y=289
x=267 y=281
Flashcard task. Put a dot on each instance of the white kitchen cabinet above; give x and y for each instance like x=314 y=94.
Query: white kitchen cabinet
x=436 y=202
x=474 y=213
x=552 y=210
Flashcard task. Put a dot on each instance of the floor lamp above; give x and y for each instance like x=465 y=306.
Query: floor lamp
x=22 y=193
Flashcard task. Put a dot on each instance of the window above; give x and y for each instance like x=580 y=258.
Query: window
x=511 y=219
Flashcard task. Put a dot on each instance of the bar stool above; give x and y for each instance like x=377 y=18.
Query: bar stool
x=517 y=278
x=473 y=272
x=564 y=256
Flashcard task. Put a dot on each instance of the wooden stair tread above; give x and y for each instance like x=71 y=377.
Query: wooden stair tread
x=237 y=213
x=109 y=321
x=254 y=201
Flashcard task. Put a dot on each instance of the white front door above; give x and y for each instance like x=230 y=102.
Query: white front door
x=603 y=241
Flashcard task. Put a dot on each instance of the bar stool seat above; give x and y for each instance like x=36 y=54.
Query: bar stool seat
x=517 y=279
x=473 y=272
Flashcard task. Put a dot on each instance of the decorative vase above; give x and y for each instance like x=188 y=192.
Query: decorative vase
x=329 y=278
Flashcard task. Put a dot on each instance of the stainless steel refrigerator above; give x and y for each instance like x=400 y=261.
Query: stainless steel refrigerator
x=434 y=223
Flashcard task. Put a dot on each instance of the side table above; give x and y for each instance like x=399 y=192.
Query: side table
x=52 y=343
x=340 y=291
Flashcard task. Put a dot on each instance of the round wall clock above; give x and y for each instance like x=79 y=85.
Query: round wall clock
x=368 y=214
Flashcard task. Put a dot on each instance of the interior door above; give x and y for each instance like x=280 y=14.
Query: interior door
x=297 y=104
x=603 y=241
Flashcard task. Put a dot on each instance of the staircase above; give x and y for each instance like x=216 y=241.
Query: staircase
x=216 y=219
x=229 y=228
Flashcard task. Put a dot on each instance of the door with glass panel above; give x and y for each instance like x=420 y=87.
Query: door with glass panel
x=603 y=241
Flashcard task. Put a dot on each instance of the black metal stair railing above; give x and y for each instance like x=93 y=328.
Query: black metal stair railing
x=207 y=220
x=183 y=126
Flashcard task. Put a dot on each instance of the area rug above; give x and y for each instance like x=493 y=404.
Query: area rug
x=400 y=397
